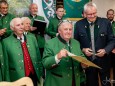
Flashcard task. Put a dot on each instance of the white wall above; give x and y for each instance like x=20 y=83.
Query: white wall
x=103 y=6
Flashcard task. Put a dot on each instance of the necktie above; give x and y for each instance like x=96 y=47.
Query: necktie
x=92 y=40
x=27 y=60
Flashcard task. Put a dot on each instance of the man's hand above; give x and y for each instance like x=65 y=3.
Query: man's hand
x=2 y=31
x=113 y=51
x=101 y=52
x=33 y=28
x=61 y=54
x=87 y=51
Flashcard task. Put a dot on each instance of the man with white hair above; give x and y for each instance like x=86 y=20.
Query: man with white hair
x=61 y=69
x=21 y=54
x=27 y=24
x=96 y=38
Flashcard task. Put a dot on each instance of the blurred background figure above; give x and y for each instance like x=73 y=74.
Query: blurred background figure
x=110 y=16
x=52 y=29
x=33 y=9
x=5 y=19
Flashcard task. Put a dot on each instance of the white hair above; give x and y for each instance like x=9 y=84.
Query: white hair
x=89 y=5
x=25 y=18
x=12 y=21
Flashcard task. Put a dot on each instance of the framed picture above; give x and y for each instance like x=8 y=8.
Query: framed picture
x=19 y=7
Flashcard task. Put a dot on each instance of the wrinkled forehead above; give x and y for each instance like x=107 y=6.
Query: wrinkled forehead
x=17 y=21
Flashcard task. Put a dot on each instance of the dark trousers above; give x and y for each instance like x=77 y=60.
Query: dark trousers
x=112 y=57
x=104 y=73
x=34 y=79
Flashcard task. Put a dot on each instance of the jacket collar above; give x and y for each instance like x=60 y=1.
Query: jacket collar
x=63 y=41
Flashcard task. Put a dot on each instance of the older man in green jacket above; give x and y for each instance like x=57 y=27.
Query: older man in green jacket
x=18 y=62
x=5 y=31
x=5 y=19
x=33 y=8
x=62 y=70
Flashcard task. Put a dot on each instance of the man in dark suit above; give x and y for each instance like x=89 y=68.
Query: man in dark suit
x=96 y=38
x=21 y=54
x=110 y=16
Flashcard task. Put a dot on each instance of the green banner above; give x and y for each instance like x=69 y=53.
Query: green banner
x=73 y=8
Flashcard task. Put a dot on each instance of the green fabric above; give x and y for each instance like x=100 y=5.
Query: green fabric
x=53 y=27
x=1 y=62
x=13 y=57
x=113 y=27
x=40 y=39
x=5 y=23
x=74 y=8
x=61 y=74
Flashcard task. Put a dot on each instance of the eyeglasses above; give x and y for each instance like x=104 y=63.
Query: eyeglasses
x=91 y=14
x=62 y=21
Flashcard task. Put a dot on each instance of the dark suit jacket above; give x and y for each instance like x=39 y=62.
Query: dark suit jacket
x=102 y=33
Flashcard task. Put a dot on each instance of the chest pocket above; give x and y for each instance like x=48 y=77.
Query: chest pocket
x=103 y=35
x=82 y=34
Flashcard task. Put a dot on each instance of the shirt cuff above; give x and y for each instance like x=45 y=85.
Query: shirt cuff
x=57 y=60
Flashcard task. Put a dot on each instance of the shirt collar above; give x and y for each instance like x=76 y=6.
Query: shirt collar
x=21 y=38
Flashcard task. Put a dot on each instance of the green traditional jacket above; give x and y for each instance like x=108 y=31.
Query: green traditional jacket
x=61 y=74
x=53 y=27
x=1 y=62
x=5 y=23
x=40 y=39
x=14 y=60
x=113 y=27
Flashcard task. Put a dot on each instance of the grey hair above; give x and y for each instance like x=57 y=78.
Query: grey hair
x=62 y=23
x=89 y=5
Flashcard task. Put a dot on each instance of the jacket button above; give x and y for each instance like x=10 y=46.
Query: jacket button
x=1 y=55
x=21 y=68
x=68 y=75
x=70 y=68
x=77 y=74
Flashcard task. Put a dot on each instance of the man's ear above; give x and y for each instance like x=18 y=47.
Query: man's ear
x=11 y=27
